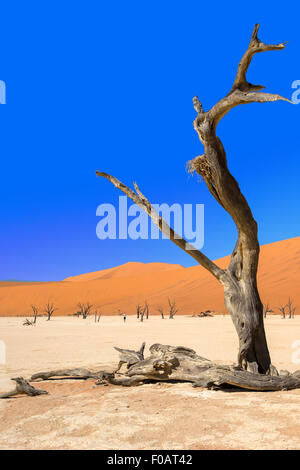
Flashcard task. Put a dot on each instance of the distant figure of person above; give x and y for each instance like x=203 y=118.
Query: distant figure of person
x=124 y=317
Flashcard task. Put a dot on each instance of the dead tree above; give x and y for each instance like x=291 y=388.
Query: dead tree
x=138 y=311
x=142 y=313
x=267 y=309
x=97 y=316
x=172 y=309
x=35 y=311
x=49 y=310
x=161 y=311
x=146 y=309
x=291 y=309
x=84 y=309
x=282 y=308
x=239 y=279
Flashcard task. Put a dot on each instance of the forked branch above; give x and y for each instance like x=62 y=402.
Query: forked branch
x=255 y=46
x=242 y=92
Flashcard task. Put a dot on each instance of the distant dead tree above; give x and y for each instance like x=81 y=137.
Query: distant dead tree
x=172 y=309
x=142 y=315
x=267 y=309
x=291 y=309
x=84 y=309
x=161 y=311
x=138 y=311
x=35 y=311
x=282 y=308
x=49 y=310
x=97 y=316
x=146 y=309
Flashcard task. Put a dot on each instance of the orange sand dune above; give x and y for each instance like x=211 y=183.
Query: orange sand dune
x=124 y=286
x=125 y=270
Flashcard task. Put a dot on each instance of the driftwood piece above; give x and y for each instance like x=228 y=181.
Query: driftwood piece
x=71 y=374
x=23 y=388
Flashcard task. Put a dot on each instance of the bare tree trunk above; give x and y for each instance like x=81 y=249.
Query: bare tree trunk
x=246 y=310
x=239 y=279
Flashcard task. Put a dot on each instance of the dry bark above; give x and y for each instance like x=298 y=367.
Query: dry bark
x=23 y=388
x=239 y=280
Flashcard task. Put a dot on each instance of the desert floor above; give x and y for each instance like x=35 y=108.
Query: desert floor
x=78 y=415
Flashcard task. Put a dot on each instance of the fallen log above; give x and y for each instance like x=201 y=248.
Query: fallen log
x=179 y=364
x=171 y=364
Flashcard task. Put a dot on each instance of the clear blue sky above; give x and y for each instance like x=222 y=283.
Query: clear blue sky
x=109 y=85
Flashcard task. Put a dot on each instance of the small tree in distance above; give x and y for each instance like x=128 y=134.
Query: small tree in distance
x=282 y=308
x=97 y=316
x=35 y=311
x=142 y=313
x=84 y=309
x=49 y=310
x=146 y=309
x=138 y=311
x=267 y=309
x=172 y=309
x=161 y=311
x=291 y=309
